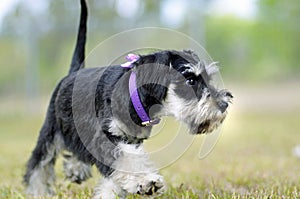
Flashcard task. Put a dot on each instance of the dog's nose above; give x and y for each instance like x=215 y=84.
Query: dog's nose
x=222 y=106
x=228 y=94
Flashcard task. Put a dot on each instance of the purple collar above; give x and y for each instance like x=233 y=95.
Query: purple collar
x=134 y=95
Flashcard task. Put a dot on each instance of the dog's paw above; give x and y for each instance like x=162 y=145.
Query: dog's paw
x=76 y=171
x=153 y=184
x=108 y=189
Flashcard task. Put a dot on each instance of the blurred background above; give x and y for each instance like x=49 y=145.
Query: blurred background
x=256 y=42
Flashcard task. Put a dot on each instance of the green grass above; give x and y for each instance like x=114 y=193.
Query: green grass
x=253 y=159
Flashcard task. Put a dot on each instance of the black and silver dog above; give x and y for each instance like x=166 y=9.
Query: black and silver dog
x=102 y=115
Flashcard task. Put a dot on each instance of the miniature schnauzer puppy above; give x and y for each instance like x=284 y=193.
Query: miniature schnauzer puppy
x=104 y=124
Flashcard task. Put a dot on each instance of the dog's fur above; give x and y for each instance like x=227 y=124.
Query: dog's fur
x=91 y=116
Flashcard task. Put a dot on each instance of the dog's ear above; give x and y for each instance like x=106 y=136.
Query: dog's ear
x=161 y=58
x=188 y=55
x=176 y=59
x=179 y=58
x=167 y=57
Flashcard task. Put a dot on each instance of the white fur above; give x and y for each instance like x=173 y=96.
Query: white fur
x=76 y=170
x=197 y=70
x=212 y=68
x=194 y=110
x=117 y=128
x=133 y=159
x=108 y=189
x=42 y=178
x=41 y=181
x=134 y=173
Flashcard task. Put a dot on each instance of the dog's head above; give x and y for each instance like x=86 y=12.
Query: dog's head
x=184 y=88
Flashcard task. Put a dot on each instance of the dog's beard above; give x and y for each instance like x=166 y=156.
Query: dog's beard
x=201 y=116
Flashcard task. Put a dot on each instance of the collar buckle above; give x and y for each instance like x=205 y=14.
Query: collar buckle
x=151 y=122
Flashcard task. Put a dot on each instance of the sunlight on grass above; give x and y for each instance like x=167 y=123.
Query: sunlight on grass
x=253 y=159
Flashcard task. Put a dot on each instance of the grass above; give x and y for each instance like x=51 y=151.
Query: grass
x=253 y=159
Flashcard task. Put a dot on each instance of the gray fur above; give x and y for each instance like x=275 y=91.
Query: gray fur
x=91 y=115
x=76 y=170
x=94 y=116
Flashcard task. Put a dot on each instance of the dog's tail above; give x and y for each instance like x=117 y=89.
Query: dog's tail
x=79 y=52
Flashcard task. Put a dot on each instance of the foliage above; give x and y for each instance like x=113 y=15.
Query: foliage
x=263 y=48
x=253 y=50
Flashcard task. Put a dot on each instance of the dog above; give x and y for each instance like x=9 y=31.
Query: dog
x=101 y=116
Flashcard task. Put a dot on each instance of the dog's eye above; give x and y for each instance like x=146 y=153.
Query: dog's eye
x=191 y=81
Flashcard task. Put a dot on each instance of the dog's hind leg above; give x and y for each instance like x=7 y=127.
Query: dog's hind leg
x=75 y=170
x=40 y=176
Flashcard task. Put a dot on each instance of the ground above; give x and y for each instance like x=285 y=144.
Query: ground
x=252 y=159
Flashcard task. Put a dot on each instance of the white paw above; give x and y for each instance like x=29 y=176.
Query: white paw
x=107 y=189
x=152 y=184
x=105 y=195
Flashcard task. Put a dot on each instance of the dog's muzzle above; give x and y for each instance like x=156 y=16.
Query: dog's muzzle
x=223 y=98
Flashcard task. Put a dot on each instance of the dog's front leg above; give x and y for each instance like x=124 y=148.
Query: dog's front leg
x=108 y=189
x=135 y=173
